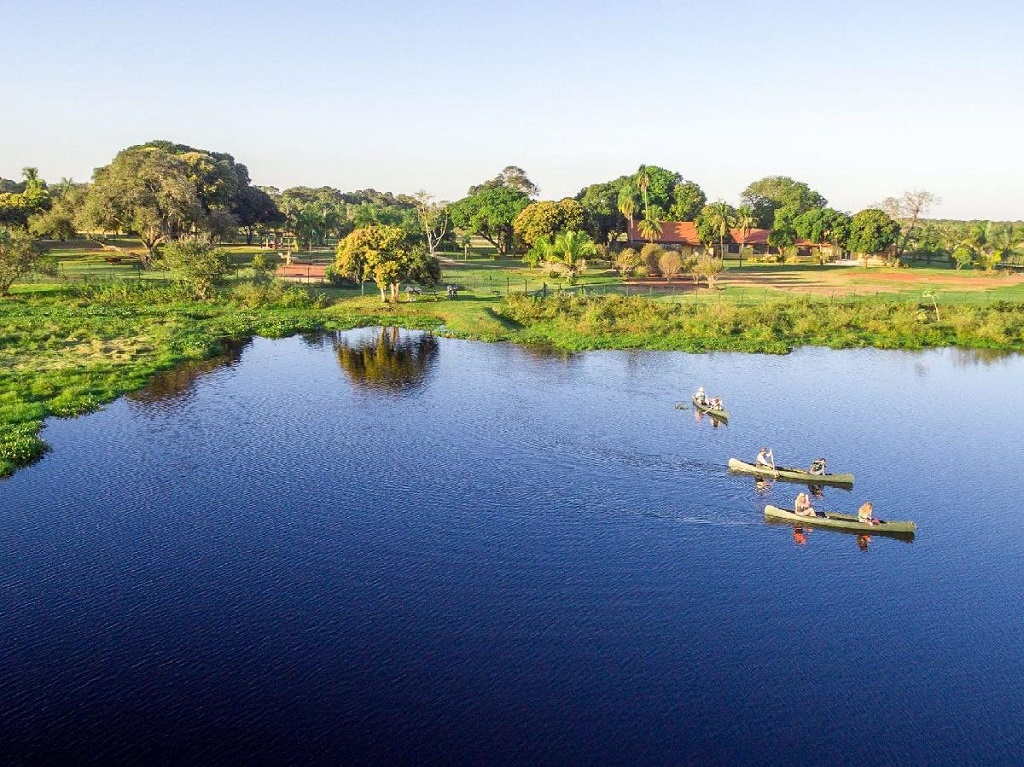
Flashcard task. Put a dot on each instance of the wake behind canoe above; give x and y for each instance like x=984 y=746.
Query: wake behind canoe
x=842 y=522
x=789 y=473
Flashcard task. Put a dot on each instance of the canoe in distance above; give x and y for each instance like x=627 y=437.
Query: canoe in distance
x=722 y=415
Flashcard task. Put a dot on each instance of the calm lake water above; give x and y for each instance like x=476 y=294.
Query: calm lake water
x=371 y=548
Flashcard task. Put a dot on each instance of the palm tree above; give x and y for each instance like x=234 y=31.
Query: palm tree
x=745 y=221
x=65 y=185
x=642 y=179
x=721 y=218
x=1007 y=241
x=982 y=241
x=569 y=251
x=650 y=228
x=627 y=203
x=32 y=180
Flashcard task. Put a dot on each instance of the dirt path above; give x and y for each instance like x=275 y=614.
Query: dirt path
x=855 y=280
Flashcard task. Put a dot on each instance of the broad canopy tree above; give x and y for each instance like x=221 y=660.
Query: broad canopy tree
x=823 y=226
x=255 y=209
x=872 y=231
x=383 y=253
x=773 y=192
x=545 y=219
x=491 y=213
x=145 y=191
x=512 y=177
x=161 y=191
x=602 y=219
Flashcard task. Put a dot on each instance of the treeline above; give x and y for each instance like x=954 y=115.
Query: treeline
x=161 y=192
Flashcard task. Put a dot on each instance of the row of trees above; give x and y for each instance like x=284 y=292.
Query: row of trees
x=162 y=192
x=502 y=212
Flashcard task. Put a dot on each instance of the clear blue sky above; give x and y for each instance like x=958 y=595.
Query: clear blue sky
x=859 y=99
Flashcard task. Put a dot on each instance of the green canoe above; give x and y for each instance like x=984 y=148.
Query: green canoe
x=721 y=415
x=842 y=522
x=789 y=473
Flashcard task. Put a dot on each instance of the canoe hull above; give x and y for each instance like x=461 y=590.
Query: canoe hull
x=789 y=473
x=841 y=522
x=722 y=415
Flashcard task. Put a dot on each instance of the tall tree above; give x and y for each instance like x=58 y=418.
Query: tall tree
x=688 y=199
x=823 y=226
x=642 y=181
x=773 y=192
x=872 y=231
x=745 y=221
x=512 y=177
x=908 y=209
x=33 y=183
x=255 y=209
x=145 y=191
x=650 y=227
x=714 y=224
x=601 y=215
x=434 y=219
x=383 y=253
x=545 y=219
x=627 y=202
x=490 y=213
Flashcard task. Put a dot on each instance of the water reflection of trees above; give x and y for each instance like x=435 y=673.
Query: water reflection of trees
x=172 y=386
x=389 y=361
x=965 y=358
x=543 y=353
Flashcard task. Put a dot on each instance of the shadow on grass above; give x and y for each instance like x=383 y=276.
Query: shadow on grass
x=510 y=325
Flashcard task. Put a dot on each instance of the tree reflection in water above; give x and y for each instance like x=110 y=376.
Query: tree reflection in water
x=172 y=386
x=967 y=358
x=390 y=361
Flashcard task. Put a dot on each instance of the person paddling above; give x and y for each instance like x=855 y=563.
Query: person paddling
x=700 y=396
x=765 y=458
x=818 y=466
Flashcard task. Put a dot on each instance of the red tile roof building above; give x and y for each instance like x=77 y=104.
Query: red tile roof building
x=683 y=235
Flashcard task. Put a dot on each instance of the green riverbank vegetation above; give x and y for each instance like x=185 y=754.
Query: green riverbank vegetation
x=170 y=256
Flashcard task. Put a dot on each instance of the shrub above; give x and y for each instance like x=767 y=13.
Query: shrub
x=650 y=255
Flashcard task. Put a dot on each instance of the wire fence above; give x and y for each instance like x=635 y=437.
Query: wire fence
x=498 y=282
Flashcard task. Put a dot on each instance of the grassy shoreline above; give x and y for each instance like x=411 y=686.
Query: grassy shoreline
x=67 y=352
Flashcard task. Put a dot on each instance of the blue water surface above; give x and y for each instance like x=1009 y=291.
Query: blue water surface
x=382 y=547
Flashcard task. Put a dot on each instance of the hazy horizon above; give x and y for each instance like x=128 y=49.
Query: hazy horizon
x=861 y=103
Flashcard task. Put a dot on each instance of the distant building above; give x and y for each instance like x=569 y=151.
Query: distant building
x=682 y=236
